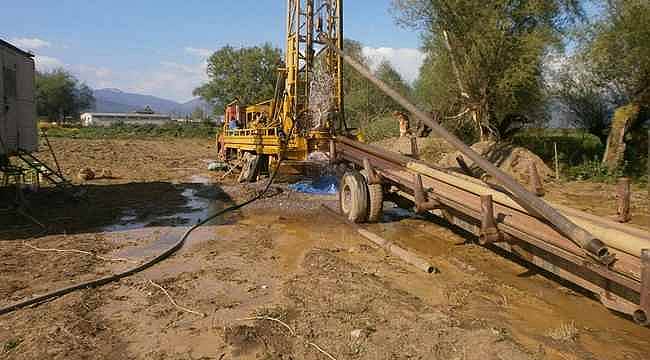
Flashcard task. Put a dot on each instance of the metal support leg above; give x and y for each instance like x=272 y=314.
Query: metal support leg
x=373 y=177
x=422 y=202
x=415 y=152
x=489 y=231
x=642 y=315
x=333 y=154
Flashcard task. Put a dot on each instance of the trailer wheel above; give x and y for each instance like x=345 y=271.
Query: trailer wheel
x=353 y=197
x=250 y=169
x=375 y=200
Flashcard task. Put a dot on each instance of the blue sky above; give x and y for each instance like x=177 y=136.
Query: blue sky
x=159 y=47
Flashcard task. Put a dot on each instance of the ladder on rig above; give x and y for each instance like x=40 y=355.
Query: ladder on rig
x=55 y=177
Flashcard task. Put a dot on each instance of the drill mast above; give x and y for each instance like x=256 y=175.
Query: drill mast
x=308 y=22
x=263 y=129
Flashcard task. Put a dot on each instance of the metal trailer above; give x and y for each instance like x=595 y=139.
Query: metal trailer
x=18 y=128
x=499 y=220
x=609 y=259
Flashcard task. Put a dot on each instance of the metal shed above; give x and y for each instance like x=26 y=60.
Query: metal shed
x=18 y=128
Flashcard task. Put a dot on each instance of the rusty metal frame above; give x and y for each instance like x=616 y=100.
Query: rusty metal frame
x=622 y=286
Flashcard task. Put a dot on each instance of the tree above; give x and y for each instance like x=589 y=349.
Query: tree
x=59 y=94
x=248 y=74
x=488 y=56
x=363 y=100
x=355 y=87
x=382 y=102
x=580 y=98
x=618 y=51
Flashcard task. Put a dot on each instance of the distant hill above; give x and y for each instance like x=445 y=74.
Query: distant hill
x=115 y=100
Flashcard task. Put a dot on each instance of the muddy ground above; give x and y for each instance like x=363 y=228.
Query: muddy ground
x=283 y=258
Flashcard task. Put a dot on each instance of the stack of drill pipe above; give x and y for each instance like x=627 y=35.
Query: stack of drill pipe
x=625 y=242
x=620 y=237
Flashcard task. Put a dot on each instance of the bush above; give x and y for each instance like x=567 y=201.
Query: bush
x=380 y=128
x=574 y=147
x=594 y=170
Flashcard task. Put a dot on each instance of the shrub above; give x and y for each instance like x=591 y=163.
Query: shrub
x=594 y=170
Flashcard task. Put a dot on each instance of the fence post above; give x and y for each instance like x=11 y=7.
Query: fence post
x=557 y=162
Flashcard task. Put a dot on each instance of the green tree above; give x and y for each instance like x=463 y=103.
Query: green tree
x=618 y=52
x=487 y=57
x=618 y=49
x=355 y=87
x=248 y=74
x=580 y=99
x=382 y=103
x=59 y=94
x=363 y=101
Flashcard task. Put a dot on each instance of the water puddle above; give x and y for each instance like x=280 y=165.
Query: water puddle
x=201 y=200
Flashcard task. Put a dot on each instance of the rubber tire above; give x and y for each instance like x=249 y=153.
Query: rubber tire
x=353 y=197
x=375 y=200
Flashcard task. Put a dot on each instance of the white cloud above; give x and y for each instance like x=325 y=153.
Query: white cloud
x=95 y=76
x=198 y=51
x=47 y=63
x=30 y=43
x=95 y=72
x=406 y=61
x=171 y=80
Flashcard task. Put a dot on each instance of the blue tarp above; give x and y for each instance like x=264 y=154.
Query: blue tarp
x=325 y=185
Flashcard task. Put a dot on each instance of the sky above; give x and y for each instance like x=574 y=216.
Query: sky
x=160 y=47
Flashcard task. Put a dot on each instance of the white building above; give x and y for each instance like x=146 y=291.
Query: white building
x=108 y=119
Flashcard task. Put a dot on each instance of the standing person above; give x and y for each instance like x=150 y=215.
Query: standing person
x=404 y=127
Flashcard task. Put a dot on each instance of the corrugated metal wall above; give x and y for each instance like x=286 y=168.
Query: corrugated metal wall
x=18 y=128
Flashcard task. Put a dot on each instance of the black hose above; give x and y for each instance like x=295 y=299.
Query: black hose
x=115 y=277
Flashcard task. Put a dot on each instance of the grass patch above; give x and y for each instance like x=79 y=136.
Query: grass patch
x=129 y=131
x=11 y=345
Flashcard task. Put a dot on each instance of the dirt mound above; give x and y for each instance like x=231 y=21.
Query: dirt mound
x=431 y=148
x=509 y=158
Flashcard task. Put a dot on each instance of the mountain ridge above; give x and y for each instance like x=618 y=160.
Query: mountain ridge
x=116 y=100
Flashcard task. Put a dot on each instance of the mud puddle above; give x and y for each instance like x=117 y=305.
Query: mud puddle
x=200 y=202
x=538 y=306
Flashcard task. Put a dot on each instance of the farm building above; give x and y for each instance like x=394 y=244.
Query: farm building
x=18 y=129
x=108 y=119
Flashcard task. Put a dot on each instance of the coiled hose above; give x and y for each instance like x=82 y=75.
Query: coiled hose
x=115 y=277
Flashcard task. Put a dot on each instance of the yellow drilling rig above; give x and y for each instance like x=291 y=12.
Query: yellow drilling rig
x=293 y=124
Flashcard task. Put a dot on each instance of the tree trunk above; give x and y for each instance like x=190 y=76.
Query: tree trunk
x=624 y=119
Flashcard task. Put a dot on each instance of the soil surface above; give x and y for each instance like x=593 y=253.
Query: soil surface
x=281 y=279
